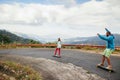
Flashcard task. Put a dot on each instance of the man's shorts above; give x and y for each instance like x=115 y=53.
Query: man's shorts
x=107 y=52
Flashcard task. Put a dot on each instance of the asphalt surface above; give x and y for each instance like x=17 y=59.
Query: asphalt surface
x=83 y=59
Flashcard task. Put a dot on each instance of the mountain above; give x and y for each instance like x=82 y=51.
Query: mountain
x=8 y=37
x=30 y=36
x=95 y=40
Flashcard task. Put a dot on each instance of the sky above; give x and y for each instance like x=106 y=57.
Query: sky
x=51 y=19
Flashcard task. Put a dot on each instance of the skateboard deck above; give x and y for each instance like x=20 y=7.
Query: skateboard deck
x=104 y=68
x=57 y=56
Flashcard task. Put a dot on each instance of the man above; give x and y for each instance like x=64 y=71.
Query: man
x=109 y=38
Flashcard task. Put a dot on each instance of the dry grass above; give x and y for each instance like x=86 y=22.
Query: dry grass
x=87 y=48
x=17 y=72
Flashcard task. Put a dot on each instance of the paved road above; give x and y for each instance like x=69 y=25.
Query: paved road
x=86 y=60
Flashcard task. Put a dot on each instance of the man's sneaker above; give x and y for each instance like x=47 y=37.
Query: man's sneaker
x=100 y=64
x=109 y=67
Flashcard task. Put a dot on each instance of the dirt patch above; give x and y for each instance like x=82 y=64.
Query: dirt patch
x=53 y=70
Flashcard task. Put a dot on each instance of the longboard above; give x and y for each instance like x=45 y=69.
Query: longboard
x=57 y=56
x=104 y=68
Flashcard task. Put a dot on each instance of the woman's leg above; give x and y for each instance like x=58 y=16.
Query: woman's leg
x=55 y=51
x=59 y=51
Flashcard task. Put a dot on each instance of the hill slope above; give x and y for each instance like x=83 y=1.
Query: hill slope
x=91 y=40
x=8 y=37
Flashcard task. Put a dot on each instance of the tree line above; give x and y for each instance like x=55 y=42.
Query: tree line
x=9 y=38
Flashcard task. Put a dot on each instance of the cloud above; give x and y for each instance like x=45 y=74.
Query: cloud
x=62 y=2
x=30 y=13
x=40 y=14
x=113 y=2
x=20 y=14
x=77 y=20
x=66 y=3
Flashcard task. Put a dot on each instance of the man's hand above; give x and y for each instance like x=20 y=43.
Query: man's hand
x=98 y=34
x=105 y=28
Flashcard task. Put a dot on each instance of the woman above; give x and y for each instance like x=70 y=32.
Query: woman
x=58 y=48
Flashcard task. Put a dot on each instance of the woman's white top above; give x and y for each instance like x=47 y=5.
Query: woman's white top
x=59 y=44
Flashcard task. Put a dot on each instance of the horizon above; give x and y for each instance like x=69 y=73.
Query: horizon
x=51 y=19
x=43 y=40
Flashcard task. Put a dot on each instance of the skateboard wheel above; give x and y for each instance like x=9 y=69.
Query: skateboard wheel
x=110 y=71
